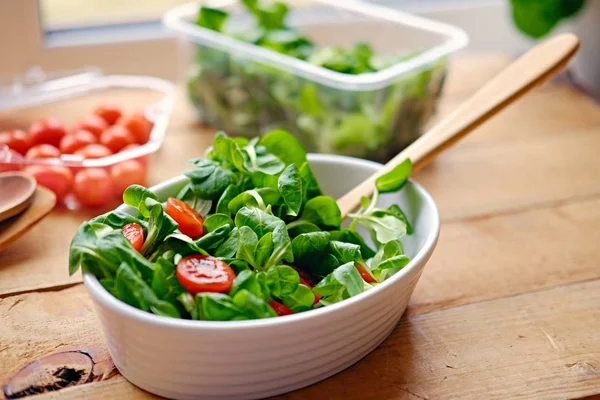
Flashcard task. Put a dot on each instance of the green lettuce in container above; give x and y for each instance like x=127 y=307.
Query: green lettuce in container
x=342 y=99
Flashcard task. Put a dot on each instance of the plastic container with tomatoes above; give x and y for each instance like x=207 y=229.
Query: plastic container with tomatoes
x=85 y=135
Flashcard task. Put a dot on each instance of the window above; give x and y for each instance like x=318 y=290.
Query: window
x=125 y=36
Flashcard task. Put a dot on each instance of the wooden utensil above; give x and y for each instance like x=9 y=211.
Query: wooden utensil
x=43 y=202
x=16 y=193
x=530 y=70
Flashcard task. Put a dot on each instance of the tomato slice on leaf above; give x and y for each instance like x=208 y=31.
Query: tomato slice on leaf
x=280 y=309
x=190 y=221
x=135 y=234
x=199 y=273
x=367 y=277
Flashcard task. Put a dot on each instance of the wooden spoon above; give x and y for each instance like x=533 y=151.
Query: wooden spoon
x=43 y=201
x=530 y=70
x=17 y=190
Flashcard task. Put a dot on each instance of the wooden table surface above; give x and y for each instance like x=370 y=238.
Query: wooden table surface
x=508 y=306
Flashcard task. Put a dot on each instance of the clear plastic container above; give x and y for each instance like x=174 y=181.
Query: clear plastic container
x=248 y=90
x=70 y=96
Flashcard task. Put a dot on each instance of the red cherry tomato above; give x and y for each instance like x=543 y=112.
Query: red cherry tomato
x=127 y=173
x=92 y=123
x=135 y=234
x=56 y=178
x=93 y=187
x=50 y=131
x=109 y=112
x=42 y=151
x=77 y=140
x=143 y=160
x=116 y=137
x=94 y=151
x=139 y=126
x=190 y=221
x=18 y=140
x=280 y=309
x=199 y=273
x=365 y=275
x=10 y=161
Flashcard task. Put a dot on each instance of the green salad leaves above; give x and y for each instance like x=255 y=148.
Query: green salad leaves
x=265 y=216
x=246 y=97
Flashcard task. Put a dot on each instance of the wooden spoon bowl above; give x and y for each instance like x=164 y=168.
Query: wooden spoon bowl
x=16 y=193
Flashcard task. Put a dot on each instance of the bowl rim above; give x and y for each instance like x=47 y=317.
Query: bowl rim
x=107 y=300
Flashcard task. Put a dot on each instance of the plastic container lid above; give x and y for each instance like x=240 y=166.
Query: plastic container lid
x=179 y=20
x=37 y=87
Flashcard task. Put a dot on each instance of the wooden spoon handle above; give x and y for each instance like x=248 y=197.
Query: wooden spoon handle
x=531 y=69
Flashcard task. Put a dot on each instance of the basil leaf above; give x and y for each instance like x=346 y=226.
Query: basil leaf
x=228 y=248
x=348 y=236
x=118 y=219
x=246 y=280
x=211 y=18
x=132 y=289
x=394 y=180
x=263 y=249
x=282 y=281
x=254 y=198
x=136 y=195
x=209 y=180
x=301 y=299
x=310 y=185
x=285 y=146
x=290 y=187
x=308 y=243
x=252 y=306
x=257 y=220
x=247 y=241
x=217 y=307
x=345 y=278
x=323 y=212
x=229 y=194
x=215 y=221
x=282 y=247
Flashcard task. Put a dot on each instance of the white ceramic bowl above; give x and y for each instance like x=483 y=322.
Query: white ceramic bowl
x=185 y=359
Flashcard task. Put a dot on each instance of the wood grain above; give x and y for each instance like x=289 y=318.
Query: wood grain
x=509 y=176
x=533 y=346
x=502 y=256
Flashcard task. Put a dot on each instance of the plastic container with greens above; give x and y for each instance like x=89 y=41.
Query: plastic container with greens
x=345 y=77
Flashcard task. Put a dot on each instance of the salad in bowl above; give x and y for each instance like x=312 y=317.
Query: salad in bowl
x=249 y=236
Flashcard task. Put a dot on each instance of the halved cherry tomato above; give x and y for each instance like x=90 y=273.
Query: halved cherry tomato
x=93 y=187
x=42 y=151
x=116 y=137
x=94 y=151
x=56 y=178
x=109 y=112
x=199 y=273
x=18 y=140
x=77 y=140
x=280 y=309
x=365 y=275
x=92 y=123
x=139 y=126
x=135 y=234
x=190 y=221
x=127 y=173
x=50 y=131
